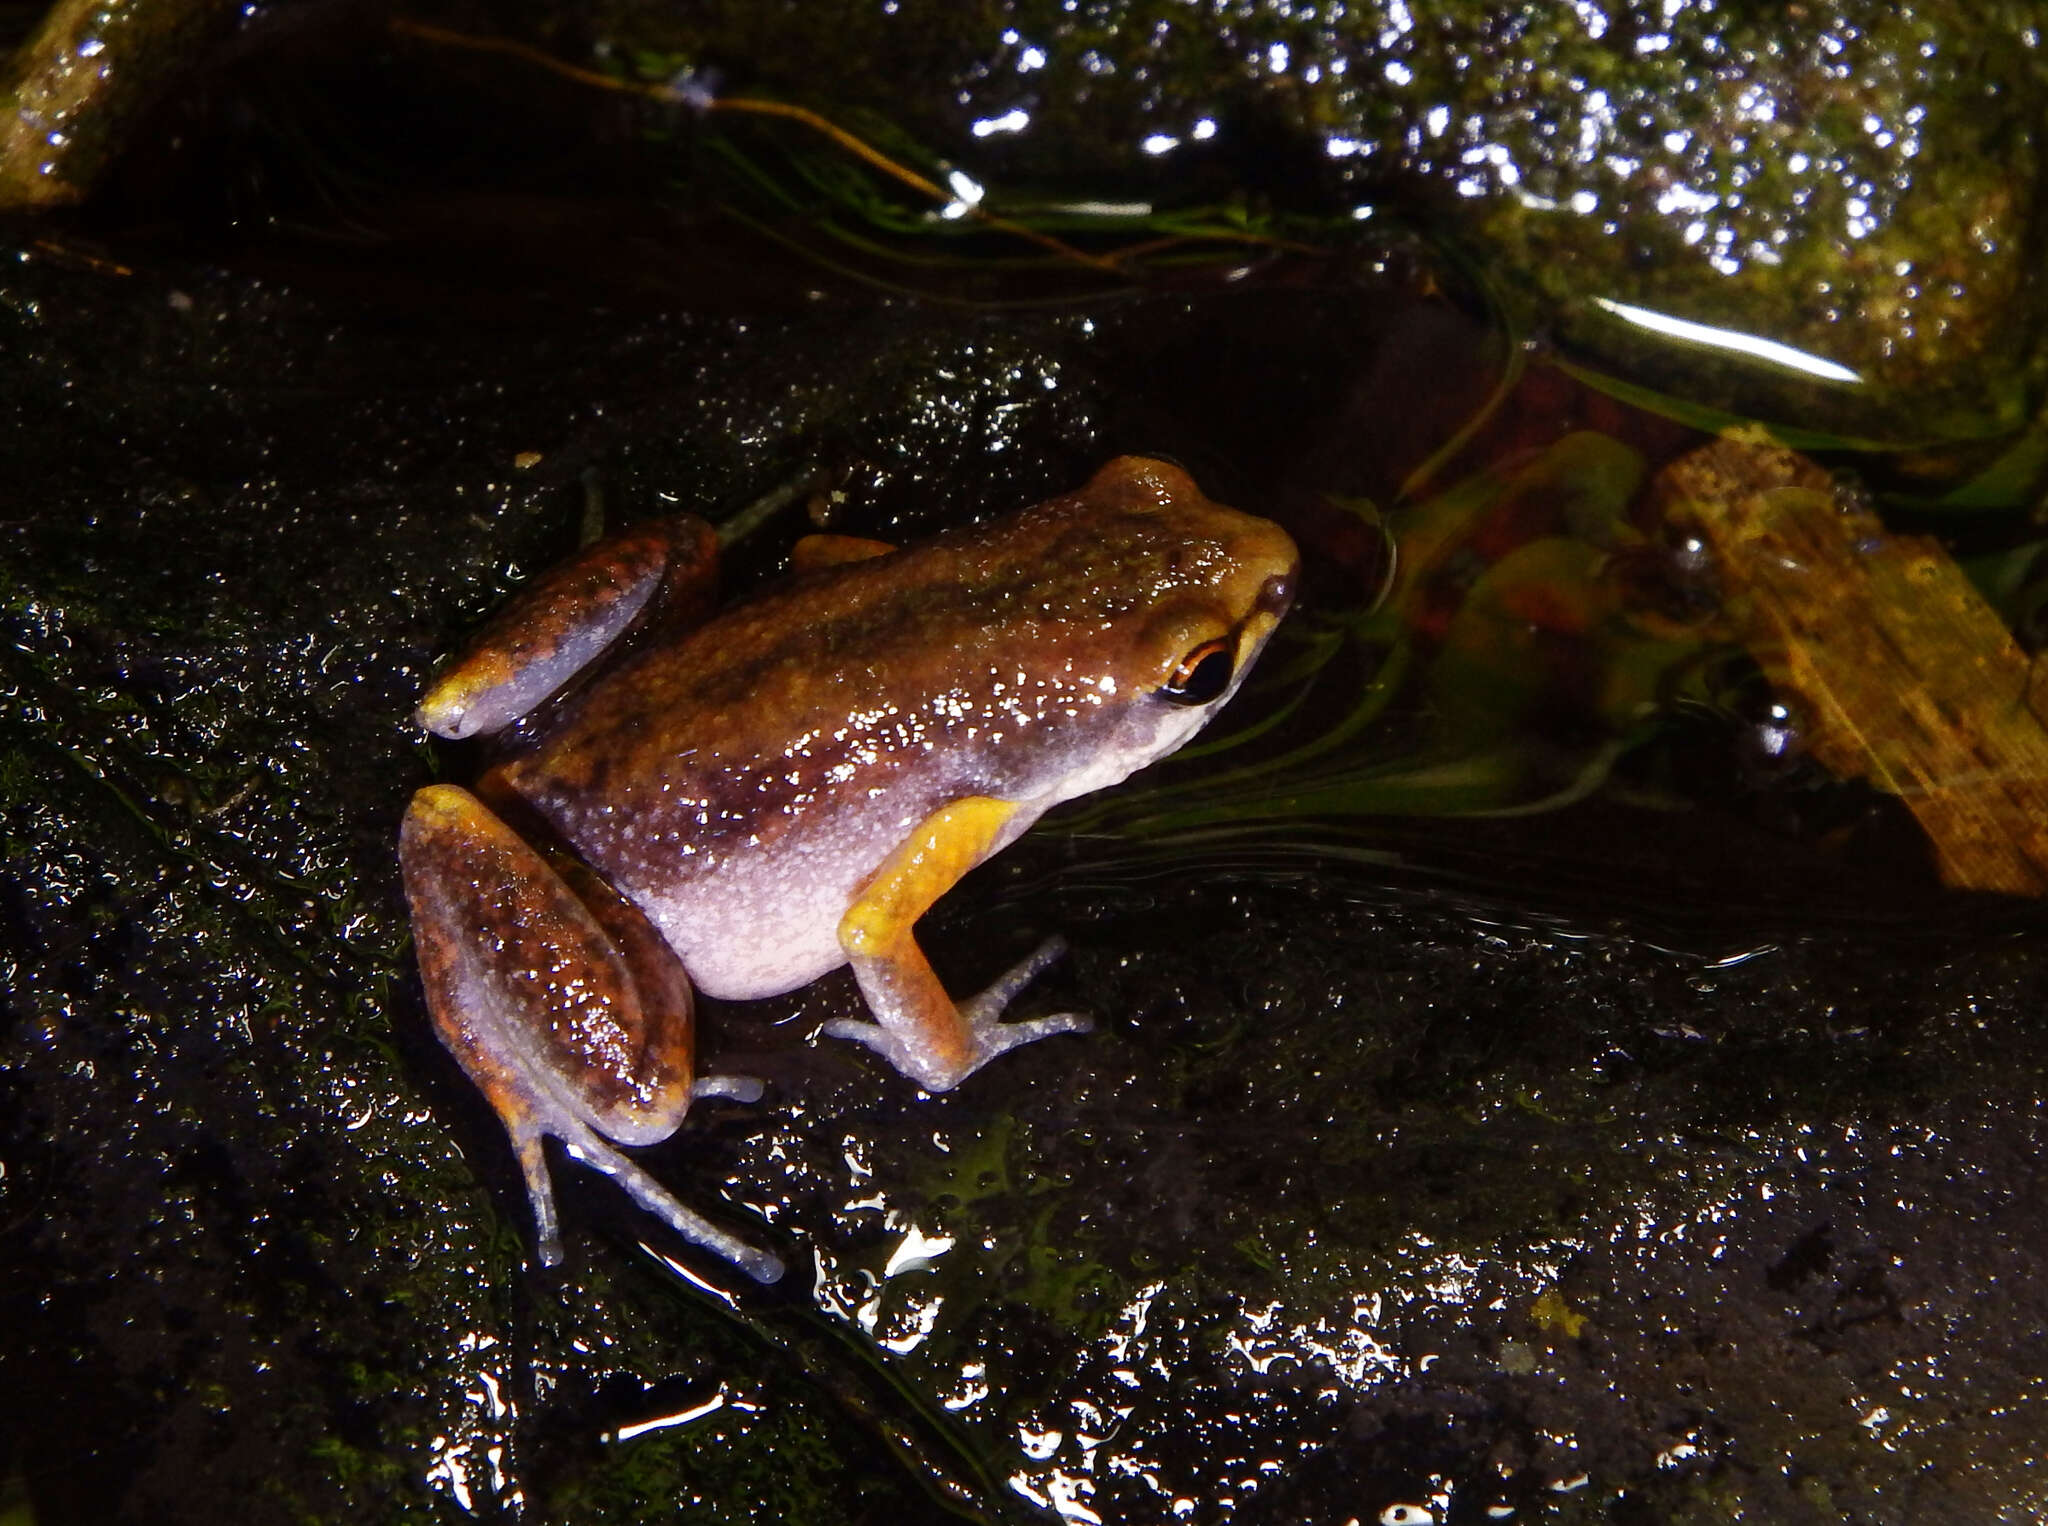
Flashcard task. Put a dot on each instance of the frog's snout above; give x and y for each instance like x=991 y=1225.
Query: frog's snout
x=1277 y=593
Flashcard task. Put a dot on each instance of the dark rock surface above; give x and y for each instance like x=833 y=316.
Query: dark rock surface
x=1363 y=1198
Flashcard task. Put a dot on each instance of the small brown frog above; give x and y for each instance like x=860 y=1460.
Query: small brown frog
x=749 y=801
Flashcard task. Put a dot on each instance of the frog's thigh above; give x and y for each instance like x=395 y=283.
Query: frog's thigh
x=921 y=1032
x=541 y=1007
x=666 y=569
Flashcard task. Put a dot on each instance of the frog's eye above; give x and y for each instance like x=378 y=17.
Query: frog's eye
x=1201 y=675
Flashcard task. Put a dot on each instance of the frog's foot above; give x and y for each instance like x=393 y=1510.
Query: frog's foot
x=939 y=1055
x=584 y=1144
x=651 y=1195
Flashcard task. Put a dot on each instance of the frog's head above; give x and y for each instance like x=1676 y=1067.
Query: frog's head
x=1166 y=599
x=1217 y=583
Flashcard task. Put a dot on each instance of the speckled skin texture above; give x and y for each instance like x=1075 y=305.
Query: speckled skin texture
x=742 y=782
x=616 y=1038
x=567 y=619
x=751 y=802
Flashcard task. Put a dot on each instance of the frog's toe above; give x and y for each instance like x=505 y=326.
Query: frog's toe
x=982 y=1011
x=731 y=1088
x=883 y=1042
x=540 y=1192
x=992 y=1038
x=983 y=1015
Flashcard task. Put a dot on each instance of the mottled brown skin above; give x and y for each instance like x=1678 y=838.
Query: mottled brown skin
x=659 y=573
x=788 y=787
x=622 y=1035
x=849 y=661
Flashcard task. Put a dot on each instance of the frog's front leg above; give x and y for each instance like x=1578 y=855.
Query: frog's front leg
x=918 y=1029
x=565 y=1008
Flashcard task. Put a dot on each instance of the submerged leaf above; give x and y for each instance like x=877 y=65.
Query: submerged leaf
x=1907 y=676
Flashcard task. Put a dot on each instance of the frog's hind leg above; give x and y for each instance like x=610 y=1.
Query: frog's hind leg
x=568 y=1013
x=918 y=1028
x=661 y=572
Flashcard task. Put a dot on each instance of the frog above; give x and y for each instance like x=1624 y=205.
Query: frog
x=681 y=799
